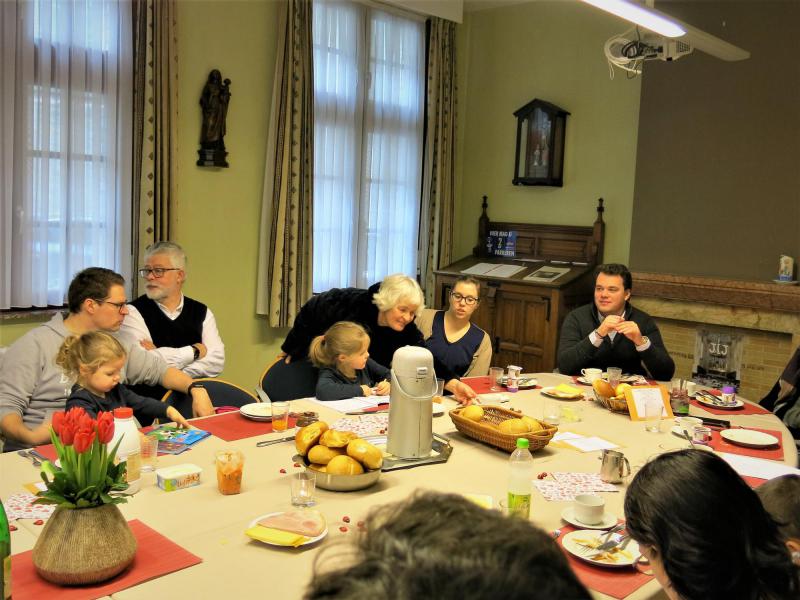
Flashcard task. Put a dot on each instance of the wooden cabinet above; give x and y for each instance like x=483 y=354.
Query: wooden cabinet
x=523 y=320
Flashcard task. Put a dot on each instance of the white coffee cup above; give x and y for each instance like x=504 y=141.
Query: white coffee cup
x=592 y=375
x=687 y=423
x=589 y=508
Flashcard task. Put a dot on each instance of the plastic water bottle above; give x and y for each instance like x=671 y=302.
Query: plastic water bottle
x=520 y=480
x=129 y=449
x=5 y=555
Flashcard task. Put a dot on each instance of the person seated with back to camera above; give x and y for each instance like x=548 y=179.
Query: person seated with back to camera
x=345 y=368
x=736 y=553
x=95 y=361
x=781 y=499
x=443 y=546
x=450 y=336
x=610 y=332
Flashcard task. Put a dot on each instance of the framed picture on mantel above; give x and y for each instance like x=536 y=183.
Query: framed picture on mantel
x=539 y=159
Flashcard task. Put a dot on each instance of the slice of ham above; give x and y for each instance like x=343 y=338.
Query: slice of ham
x=309 y=523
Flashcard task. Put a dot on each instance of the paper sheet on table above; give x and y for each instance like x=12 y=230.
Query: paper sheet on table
x=590 y=444
x=566 y=435
x=505 y=270
x=479 y=269
x=353 y=404
x=757 y=467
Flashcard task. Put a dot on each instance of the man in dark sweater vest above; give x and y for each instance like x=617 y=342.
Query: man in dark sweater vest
x=181 y=330
x=610 y=332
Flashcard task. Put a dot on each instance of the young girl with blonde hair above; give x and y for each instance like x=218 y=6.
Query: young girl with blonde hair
x=95 y=360
x=346 y=370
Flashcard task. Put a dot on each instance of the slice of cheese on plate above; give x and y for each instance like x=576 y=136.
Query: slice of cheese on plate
x=276 y=536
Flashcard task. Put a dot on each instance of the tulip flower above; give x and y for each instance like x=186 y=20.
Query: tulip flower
x=58 y=420
x=105 y=427
x=84 y=440
x=67 y=433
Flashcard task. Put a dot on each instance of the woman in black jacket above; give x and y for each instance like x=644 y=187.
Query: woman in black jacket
x=386 y=310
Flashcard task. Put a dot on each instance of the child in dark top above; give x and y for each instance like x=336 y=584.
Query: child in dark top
x=346 y=370
x=95 y=360
x=781 y=499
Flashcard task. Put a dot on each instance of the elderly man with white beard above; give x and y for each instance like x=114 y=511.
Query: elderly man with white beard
x=181 y=330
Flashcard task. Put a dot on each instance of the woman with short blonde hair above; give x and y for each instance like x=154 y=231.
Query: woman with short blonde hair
x=386 y=310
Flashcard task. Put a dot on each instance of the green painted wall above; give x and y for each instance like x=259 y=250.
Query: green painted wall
x=219 y=209
x=552 y=51
x=507 y=56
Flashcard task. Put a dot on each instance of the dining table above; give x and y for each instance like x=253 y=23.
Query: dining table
x=212 y=526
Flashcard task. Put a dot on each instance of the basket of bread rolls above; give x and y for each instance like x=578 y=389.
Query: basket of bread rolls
x=500 y=427
x=611 y=398
x=342 y=461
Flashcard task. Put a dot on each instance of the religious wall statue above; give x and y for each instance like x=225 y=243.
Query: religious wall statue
x=214 y=102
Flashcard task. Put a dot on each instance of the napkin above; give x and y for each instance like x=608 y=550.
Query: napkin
x=276 y=536
x=568 y=389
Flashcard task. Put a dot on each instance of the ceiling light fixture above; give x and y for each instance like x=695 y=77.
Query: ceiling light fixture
x=648 y=18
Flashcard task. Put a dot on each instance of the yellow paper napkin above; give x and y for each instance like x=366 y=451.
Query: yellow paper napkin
x=568 y=389
x=276 y=536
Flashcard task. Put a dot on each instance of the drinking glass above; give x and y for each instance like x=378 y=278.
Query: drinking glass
x=303 y=486
x=652 y=414
x=552 y=412
x=230 y=464
x=280 y=416
x=496 y=378
x=614 y=375
x=148 y=446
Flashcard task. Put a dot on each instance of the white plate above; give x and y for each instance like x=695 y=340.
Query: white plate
x=523 y=383
x=551 y=392
x=255 y=521
x=706 y=401
x=571 y=545
x=568 y=514
x=624 y=379
x=749 y=438
x=258 y=411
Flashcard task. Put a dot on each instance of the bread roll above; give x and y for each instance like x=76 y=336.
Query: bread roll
x=318 y=468
x=533 y=425
x=308 y=436
x=337 y=439
x=603 y=388
x=513 y=426
x=473 y=412
x=344 y=465
x=322 y=455
x=365 y=453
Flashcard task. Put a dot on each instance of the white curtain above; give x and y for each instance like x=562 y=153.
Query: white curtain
x=65 y=113
x=369 y=74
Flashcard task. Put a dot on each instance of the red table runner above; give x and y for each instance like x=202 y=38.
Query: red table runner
x=233 y=426
x=618 y=582
x=771 y=453
x=482 y=385
x=747 y=409
x=156 y=555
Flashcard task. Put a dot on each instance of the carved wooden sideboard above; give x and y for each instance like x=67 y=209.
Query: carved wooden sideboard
x=524 y=318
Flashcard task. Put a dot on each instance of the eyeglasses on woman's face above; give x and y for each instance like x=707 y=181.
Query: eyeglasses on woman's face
x=468 y=300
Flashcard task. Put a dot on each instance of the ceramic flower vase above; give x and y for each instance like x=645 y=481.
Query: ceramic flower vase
x=86 y=545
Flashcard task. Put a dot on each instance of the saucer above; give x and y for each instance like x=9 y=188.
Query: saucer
x=568 y=514
x=782 y=282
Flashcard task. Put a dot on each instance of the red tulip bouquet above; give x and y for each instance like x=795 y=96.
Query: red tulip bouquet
x=87 y=475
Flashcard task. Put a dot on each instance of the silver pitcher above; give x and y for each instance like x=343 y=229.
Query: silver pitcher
x=612 y=469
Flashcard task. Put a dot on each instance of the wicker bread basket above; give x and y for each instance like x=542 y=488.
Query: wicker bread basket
x=492 y=415
x=613 y=404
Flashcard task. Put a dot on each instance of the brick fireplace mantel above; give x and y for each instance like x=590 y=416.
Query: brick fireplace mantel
x=730 y=292
x=768 y=312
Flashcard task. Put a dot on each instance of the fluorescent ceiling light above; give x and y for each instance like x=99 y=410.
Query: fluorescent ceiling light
x=645 y=17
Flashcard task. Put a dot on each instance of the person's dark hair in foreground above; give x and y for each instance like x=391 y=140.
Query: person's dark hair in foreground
x=705 y=532
x=445 y=547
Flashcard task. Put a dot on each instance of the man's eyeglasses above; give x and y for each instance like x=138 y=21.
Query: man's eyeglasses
x=468 y=300
x=157 y=272
x=120 y=305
